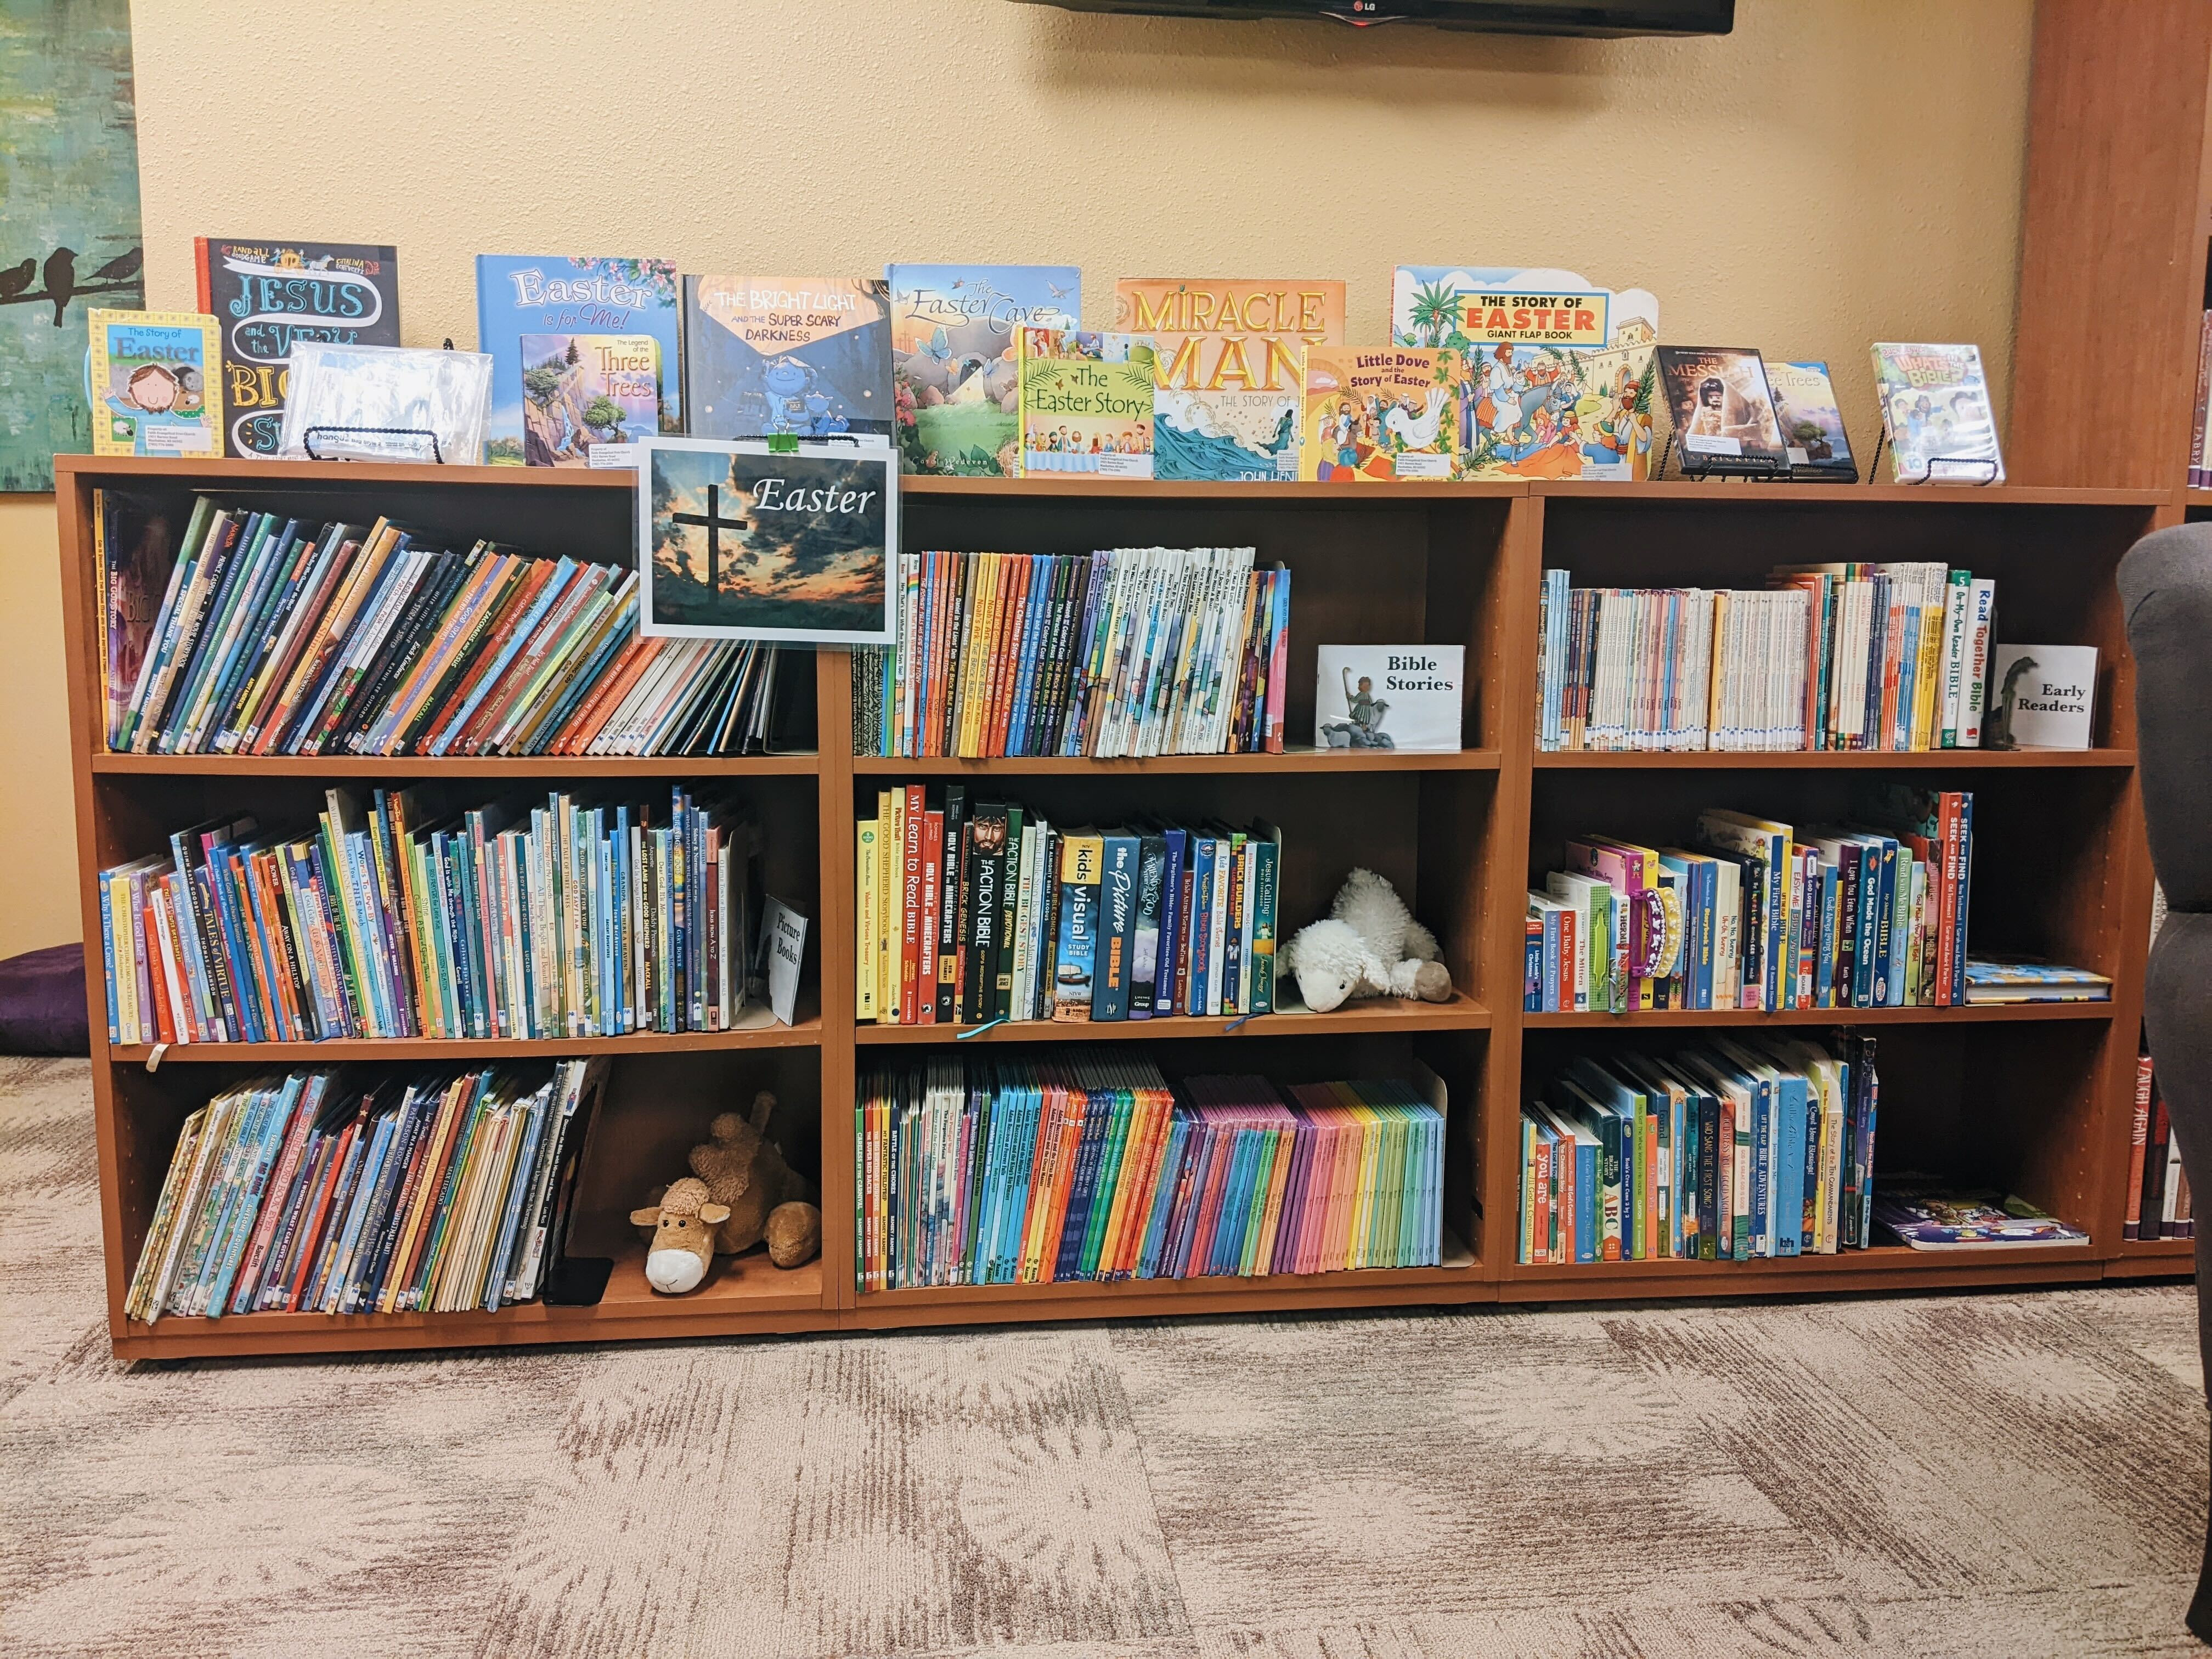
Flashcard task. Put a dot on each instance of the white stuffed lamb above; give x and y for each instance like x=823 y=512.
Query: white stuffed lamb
x=1369 y=946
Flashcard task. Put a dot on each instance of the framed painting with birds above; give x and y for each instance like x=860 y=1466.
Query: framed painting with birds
x=68 y=218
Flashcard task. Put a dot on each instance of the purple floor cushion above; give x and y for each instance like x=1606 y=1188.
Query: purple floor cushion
x=42 y=1003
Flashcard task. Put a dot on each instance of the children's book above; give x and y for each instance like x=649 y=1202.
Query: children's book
x=955 y=367
x=1559 y=372
x=1086 y=403
x=532 y=294
x=1722 y=410
x=266 y=294
x=138 y=540
x=155 y=385
x=1078 y=953
x=582 y=391
x=1230 y=364
x=1371 y=416
x=1930 y=1216
x=1935 y=409
x=1811 y=426
x=809 y=356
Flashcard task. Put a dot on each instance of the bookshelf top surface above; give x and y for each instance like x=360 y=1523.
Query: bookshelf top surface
x=1721 y=491
x=1718 y=492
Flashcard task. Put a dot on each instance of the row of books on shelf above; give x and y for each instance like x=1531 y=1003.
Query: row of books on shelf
x=571 y=918
x=321 y=1192
x=2158 y=1203
x=1883 y=657
x=1135 y=651
x=1483 y=371
x=1727 y=1151
x=1758 y=915
x=1093 y=1168
x=2200 y=448
x=972 y=912
x=240 y=632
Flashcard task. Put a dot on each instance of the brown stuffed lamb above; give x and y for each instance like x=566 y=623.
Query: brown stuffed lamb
x=740 y=1172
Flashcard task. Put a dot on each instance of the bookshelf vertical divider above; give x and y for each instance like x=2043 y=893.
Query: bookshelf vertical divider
x=1463 y=835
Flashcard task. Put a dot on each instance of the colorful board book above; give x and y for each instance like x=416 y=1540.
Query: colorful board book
x=1560 y=380
x=265 y=295
x=533 y=294
x=156 y=383
x=1229 y=368
x=1375 y=415
x=1086 y=403
x=956 y=363
x=805 y=356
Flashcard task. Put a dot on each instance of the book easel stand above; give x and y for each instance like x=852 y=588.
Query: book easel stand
x=1926 y=473
x=436 y=455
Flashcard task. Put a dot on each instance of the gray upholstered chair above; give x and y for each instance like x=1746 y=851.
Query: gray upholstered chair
x=2166 y=586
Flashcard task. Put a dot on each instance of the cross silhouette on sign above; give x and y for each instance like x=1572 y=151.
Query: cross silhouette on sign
x=715 y=524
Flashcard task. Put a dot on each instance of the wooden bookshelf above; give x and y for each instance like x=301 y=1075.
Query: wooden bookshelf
x=2034 y=1097
x=2117 y=198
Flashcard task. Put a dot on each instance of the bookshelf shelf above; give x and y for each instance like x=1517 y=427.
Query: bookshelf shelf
x=761 y=1033
x=1409 y=495
x=2156 y=1249
x=376 y=768
x=1377 y=1017
x=744 y=1296
x=1728 y=496
x=1458 y=833
x=2153 y=1258
x=1690 y=1019
x=1322 y=761
x=1883 y=1268
x=1458 y=1269
x=1926 y=760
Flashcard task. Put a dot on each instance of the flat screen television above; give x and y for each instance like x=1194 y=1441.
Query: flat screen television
x=1593 y=17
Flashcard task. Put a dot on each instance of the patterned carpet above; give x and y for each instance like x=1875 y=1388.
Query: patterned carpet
x=2019 y=1476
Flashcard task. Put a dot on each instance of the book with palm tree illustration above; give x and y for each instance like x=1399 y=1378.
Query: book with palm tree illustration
x=1561 y=379
x=1232 y=355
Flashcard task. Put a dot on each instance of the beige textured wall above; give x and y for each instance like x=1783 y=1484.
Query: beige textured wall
x=1828 y=175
